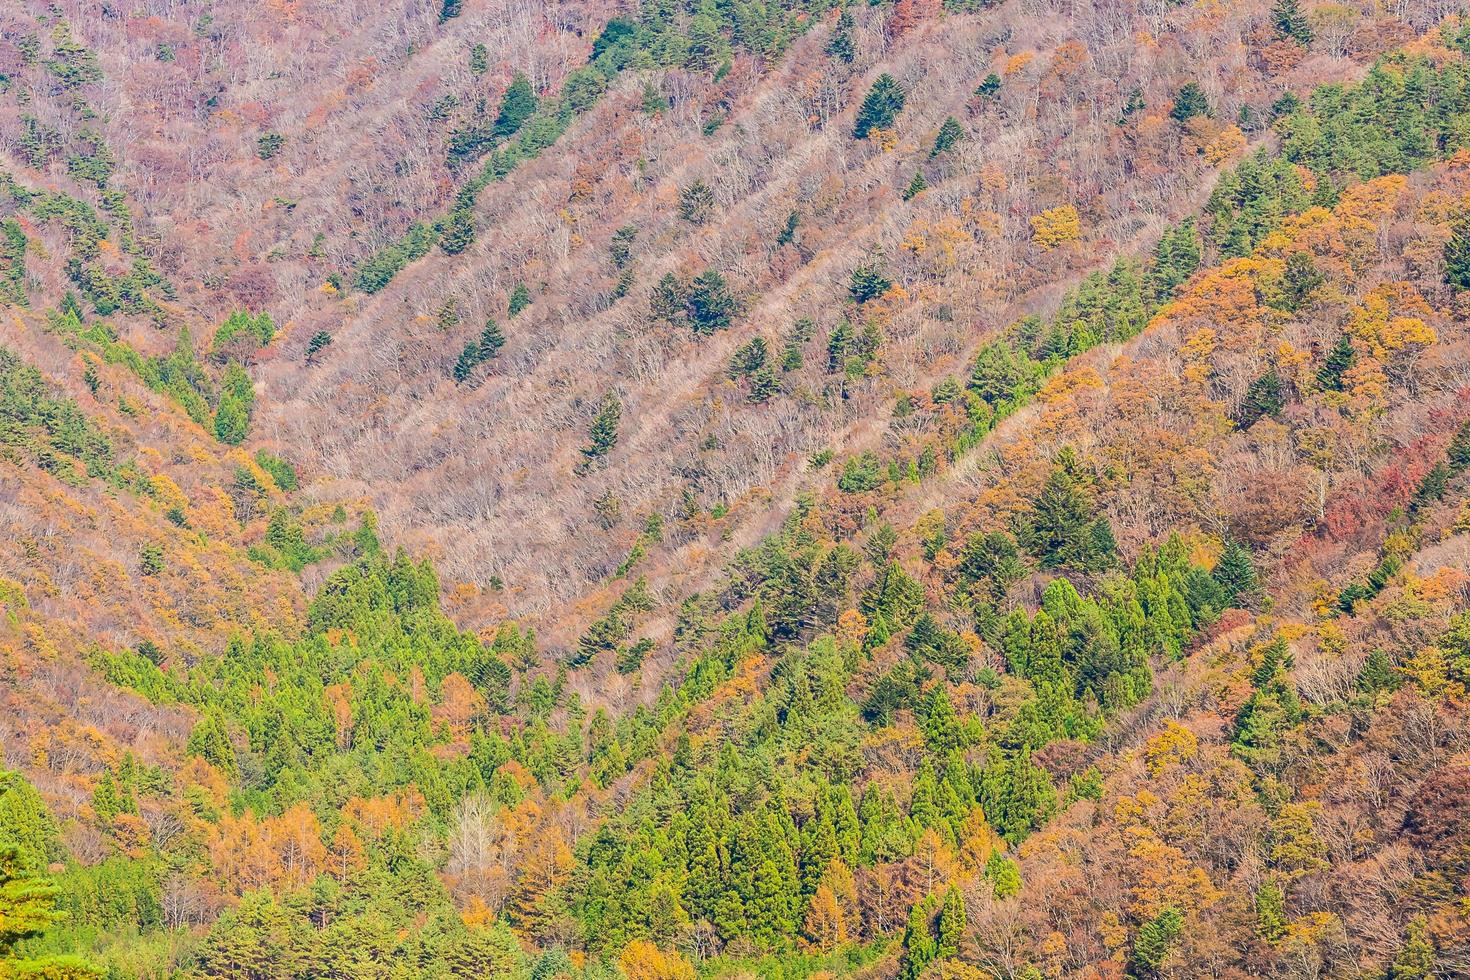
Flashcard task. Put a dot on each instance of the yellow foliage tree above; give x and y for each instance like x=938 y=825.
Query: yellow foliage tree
x=642 y=960
x=1174 y=744
x=1056 y=226
x=826 y=925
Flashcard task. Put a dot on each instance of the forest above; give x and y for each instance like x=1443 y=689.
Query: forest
x=945 y=489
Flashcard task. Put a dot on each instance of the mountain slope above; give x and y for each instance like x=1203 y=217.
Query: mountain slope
x=1079 y=591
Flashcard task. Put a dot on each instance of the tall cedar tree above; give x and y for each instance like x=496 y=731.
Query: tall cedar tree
x=949 y=135
x=1457 y=256
x=1190 y=102
x=1300 y=281
x=710 y=305
x=867 y=283
x=602 y=434
x=1062 y=529
x=459 y=231
x=696 y=203
x=840 y=45
x=1264 y=397
x=1459 y=451
x=1290 y=22
x=515 y=107
x=1235 y=572
x=1432 y=488
x=1339 y=360
x=520 y=298
x=880 y=108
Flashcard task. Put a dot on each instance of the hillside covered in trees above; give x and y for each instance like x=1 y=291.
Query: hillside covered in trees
x=936 y=489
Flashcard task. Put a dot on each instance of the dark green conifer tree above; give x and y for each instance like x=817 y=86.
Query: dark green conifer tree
x=916 y=186
x=1300 y=281
x=1458 y=455
x=491 y=340
x=1457 y=256
x=867 y=283
x=951 y=924
x=520 y=298
x=602 y=435
x=1189 y=102
x=1340 y=360
x=880 y=107
x=1264 y=397
x=840 y=45
x=1289 y=21
x=1236 y=572
x=516 y=106
x=459 y=231
x=710 y=306
x=1432 y=488
x=949 y=135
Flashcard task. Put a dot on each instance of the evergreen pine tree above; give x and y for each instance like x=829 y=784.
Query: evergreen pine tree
x=1133 y=106
x=1288 y=103
x=1300 y=280
x=1289 y=21
x=479 y=60
x=1458 y=455
x=520 y=298
x=26 y=824
x=1155 y=938
x=1175 y=258
x=28 y=909
x=696 y=203
x=867 y=283
x=319 y=342
x=210 y=740
x=1235 y=572
x=1340 y=360
x=236 y=404
x=989 y=86
x=491 y=340
x=1416 y=958
x=449 y=314
x=654 y=102
x=1059 y=531
x=951 y=924
x=763 y=386
x=1004 y=875
x=710 y=305
x=1378 y=674
x=1190 y=102
x=1432 y=488
x=916 y=186
x=1016 y=793
x=469 y=358
x=950 y=134
x=880 y=107
x=840 y=45
x=1262 y=398
x=516 y=106
x=788 y=231
x=603 y=433
x=919 y=945
x=1271 y=916
x=668 y=299
x=1457 y=256
x=459 y=231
